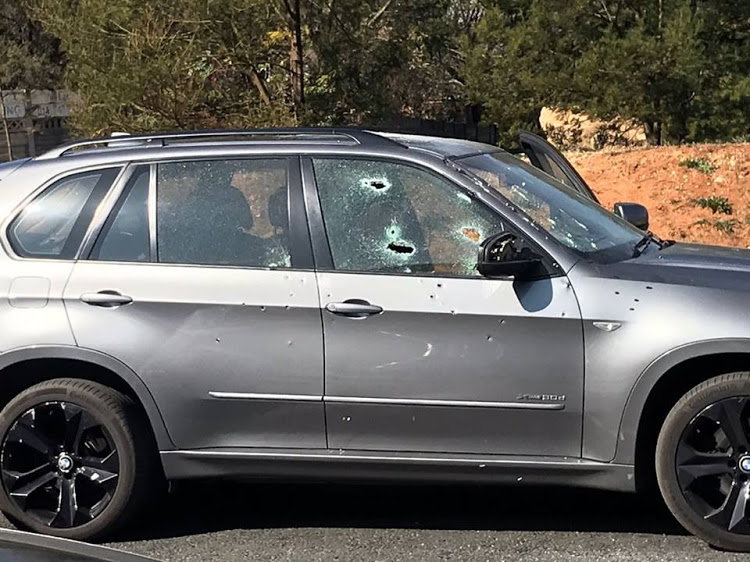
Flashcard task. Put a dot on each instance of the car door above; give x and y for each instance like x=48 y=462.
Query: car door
x=201 y=282
x=422 y=354
x=546 y=157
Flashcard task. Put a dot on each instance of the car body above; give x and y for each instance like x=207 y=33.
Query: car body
x=349 y=334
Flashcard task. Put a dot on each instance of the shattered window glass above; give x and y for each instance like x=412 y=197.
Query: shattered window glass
x=383 y=216
x=231 y=212
x=575 y=221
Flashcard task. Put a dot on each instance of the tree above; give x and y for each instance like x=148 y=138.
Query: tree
x=679 y=67
x=29 y=57
x=139 y=66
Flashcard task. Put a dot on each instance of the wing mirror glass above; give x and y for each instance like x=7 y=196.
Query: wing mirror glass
x=635 y=214
x=500 y=256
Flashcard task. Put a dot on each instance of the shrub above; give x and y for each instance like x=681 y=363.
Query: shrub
x=725 y=225
x=703 y=165
x=717 y=204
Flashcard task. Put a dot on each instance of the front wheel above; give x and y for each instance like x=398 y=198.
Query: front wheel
x=703 y=461
x=74 y=459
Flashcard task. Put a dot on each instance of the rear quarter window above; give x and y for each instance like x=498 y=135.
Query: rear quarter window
x=54 y=223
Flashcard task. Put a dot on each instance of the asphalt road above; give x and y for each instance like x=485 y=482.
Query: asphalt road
x=203 y=522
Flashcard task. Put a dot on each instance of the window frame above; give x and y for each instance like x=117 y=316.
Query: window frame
x=106 y=222
x=319 y=234
x=89 y=216
x=299 y=238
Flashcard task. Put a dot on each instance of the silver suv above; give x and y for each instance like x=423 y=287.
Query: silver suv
x=346 y=304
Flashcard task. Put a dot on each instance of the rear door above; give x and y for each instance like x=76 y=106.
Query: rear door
x=546 y=157
x=201 y=281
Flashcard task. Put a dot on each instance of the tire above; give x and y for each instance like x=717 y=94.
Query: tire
x=87 y=433
x=703 y=461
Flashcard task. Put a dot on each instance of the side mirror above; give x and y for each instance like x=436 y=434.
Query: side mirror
x=499 y=257
x=635 y=214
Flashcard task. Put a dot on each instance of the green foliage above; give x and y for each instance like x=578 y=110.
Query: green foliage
x=703 y=165
x=725 y=225
x=679 y=67
x=29 y=57
x=141 y=65
x=717 y=204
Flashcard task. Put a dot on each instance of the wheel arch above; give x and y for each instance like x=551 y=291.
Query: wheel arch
x=659 y=388
x=23 y=367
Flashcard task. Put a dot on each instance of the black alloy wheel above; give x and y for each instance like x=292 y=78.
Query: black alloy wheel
x=77 y=459
x=59 y=464
x=713 y=464
x=703 y=461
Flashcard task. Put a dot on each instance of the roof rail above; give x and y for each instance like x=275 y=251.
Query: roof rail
x=282 y=135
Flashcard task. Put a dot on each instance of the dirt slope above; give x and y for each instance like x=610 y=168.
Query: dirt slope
x=655 y=178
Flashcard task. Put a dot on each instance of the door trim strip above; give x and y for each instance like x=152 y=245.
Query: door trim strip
x=455 y=403
x=386 y=401
x=260 y=396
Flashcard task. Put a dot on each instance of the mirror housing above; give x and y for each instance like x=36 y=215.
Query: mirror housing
x=498 y=257
x=634 y=213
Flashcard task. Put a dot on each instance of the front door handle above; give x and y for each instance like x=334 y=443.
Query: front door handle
x=354 y=308
x=106 y=299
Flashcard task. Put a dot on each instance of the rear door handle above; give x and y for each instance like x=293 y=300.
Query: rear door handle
x=106 y=299
x=354 y=308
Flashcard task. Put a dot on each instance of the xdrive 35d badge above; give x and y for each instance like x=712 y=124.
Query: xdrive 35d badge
x=316 y=302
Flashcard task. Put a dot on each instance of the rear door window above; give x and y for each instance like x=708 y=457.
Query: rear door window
x=53 y=225
x=228 y=212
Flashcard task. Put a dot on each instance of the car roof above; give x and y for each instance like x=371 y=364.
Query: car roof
x=122 y=145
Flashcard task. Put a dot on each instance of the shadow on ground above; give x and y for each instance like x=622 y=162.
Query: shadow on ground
x=202 y=507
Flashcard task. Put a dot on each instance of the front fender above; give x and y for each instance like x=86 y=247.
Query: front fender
x=18 y=355
x=628 y=431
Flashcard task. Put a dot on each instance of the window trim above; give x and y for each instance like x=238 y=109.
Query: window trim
x=300 y=249
x=6 y=239
x=319 y=235
x=110 y=216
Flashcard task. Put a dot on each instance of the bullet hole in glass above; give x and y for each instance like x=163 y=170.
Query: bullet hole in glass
x=617 y=292
x=649 y=288
x=376 y=184
x=400 y=248
x=636 y=300
x=471 y=233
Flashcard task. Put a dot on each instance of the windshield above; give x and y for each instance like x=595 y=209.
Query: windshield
x=573 y=220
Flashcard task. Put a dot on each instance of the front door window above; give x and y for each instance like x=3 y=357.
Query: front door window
x=389 y=217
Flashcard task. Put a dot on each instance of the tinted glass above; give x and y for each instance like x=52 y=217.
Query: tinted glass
x=573 y=220
x=231 y=212
x=125 y=236
x=382 y=216
x=53 y=225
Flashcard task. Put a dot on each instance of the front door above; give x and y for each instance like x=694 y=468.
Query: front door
x=201 y=283
x=422 y=354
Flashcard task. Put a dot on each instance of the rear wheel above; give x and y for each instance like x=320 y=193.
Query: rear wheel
x=703 y=461
x=75 y=460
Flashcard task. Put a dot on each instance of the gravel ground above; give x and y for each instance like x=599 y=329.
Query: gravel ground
x=203 y=522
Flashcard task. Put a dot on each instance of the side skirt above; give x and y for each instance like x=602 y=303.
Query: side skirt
x=370 y=466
